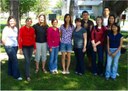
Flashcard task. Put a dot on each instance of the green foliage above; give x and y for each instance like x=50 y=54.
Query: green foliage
x=59 y=4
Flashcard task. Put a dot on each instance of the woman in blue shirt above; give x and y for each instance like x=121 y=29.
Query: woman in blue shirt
x=114 y=43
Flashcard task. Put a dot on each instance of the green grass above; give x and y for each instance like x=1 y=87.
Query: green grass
x=72 y=81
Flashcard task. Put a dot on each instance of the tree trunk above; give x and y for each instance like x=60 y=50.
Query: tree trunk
x=71 y=9
x=14 y=10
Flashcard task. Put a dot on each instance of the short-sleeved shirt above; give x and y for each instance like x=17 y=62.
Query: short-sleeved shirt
x=114 y=40
x=79 y=38
x=66 y=34
x=41 y=33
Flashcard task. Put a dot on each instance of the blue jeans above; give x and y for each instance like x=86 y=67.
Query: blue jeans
x=65 y=47
x=13 y=68
x=53 y=59
x=111 y=70
x=27 y=52
x=79 y=54
x=97 y=68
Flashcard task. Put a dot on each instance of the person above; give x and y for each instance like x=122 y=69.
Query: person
x=97 y=39
x=41 y=42
x=27 y=43
x=80 y=42
x=9 y=40
x=106 y=13
x=66 y=42
x=114 y=43
x=88 y=25
x=53 y=39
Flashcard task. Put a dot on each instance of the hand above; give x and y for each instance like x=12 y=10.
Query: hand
x=50 y=49
x=20 y=51
x=34 y=51
x=113 y=55
x=84 y=49
x=109 y=53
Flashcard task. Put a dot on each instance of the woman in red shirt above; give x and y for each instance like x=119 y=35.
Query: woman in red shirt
x=97 y=39
x=53 y=40
x=26 y=41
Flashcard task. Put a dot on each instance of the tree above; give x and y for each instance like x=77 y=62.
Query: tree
x=116 y=6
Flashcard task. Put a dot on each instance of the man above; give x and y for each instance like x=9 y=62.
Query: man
x=106 y=13
x=88 y=25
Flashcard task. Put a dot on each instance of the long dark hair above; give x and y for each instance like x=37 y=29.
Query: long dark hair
x=70 y=22
x=113 y=17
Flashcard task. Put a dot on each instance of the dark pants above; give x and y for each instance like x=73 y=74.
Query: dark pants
x=27 y=52
x=98 y=68
x=13 y=68
x=79 y=60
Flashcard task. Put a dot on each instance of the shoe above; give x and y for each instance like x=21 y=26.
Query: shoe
x=36 y=71
x=63 y=72
x=28 y=79
x=56 y=72
x=67 y=72
x=95 y=74
x=44 y=71
x=107 y=78
x=19 y=78
x=117 y=74
x=80 y=74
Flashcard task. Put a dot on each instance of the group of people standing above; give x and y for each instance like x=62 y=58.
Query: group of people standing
x=87 y=38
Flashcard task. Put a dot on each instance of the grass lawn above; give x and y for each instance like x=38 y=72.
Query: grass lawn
x=72 y=81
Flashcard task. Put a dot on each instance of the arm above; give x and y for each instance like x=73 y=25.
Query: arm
x=20 y=41
x=49 y=39
x=4 y=36
x=93 y=40
x=85 y=41
x=109 y=53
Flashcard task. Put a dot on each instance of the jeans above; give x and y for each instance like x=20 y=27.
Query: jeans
x=27 y=52
x=53 y=59
x=97 y=68
x=79 y=54
x=13 y=68
x=111 y=69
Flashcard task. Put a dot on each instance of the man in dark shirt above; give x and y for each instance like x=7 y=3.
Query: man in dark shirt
x=88 y=25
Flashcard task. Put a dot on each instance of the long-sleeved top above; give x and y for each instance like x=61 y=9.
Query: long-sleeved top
x=26 y=37
x=98 y=34
x=53 y=37
x=9 y=36
x=41 y=33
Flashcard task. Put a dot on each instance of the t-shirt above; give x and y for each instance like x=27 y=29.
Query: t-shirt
x=78 y=38
x=41 y=33
x=66 y=34
x=114 y=40
x=10 y=36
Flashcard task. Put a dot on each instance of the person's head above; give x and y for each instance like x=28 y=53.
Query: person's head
x=42 y=19
x=11 y=22
x=111 y=19
x=78 y=22
x=106 y=12
x=115 y=28
x=99 y=20
x=85 y=15
x=54 y=22
x=28 y=21
x=67 y=19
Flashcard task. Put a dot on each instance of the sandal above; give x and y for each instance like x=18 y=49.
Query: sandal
x=44 y=71
x=36 y=71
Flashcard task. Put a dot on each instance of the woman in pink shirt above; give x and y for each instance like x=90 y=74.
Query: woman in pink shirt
x=53 y=40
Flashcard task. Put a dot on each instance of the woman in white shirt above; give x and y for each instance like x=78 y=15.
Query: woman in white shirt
x=9 y=39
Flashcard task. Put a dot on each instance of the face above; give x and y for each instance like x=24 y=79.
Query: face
x=99 y=21
x=111 y=19
x=28 y=22
x=85 y=16
x=67 y=19
x=41 y=18
x=78 y=23
x=12 y=22
x=114 y=28
x=106 y=12
x=55 y=23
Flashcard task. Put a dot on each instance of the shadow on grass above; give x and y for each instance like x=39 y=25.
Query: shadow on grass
x=41 y=81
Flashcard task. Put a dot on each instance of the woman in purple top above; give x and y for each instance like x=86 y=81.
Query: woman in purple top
x=66 y=30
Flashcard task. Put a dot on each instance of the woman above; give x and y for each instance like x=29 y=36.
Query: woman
x=41 y=42
x=53 y=39
x=114 y=43
x=97 y=39
x=80 y=42
x=27 y=43
x=9 y=39
x=66 y=42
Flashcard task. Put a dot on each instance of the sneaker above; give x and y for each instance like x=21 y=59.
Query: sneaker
x=63 y=72
x=107 y=78
x=28 y=79
x=95 y=74
x=36 y=71
x=67 y=72
x=117 y=74
x=80 y=74
x=76 y=72
x=19 y=78
x=56 y=71
x=44 y=71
